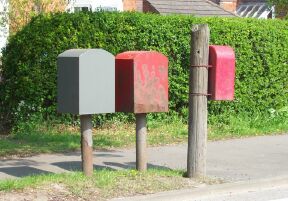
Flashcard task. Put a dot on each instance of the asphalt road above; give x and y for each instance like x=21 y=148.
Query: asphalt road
x=232 y=160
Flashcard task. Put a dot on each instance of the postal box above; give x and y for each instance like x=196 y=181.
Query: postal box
x=222 y=73
x=141 y=82
x=86 y=82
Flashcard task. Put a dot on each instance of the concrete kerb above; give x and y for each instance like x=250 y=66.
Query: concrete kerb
x=210 y=191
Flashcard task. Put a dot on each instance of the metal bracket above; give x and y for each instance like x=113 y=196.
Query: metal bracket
x=200 y=94
x=201 y=66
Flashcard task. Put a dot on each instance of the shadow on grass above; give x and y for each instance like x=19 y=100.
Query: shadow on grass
x=77 y=166
x=66 y=140
x=132 y=165
x=34 y=143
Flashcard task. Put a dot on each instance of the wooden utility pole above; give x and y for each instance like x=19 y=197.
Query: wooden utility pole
x=87 y=144
x=198 y=89
x=141 y=145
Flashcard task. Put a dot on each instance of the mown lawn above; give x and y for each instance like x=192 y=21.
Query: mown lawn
x=49 y=137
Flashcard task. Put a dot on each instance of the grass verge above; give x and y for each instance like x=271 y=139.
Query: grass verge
x=49 y=138
x=103 y=185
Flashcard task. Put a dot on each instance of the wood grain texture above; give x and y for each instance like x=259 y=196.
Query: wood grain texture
x=198 y=85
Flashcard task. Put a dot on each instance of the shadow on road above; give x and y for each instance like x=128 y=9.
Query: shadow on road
x=23 y=171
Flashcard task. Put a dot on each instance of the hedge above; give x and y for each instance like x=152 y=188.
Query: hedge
x=29 y=61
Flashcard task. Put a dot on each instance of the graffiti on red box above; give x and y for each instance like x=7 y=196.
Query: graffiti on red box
x=145 y=74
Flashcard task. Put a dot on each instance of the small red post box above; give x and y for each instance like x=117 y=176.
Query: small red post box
x=222 y=73
x=141 y=83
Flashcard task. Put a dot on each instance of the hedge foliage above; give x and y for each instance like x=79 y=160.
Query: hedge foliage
x=29 y=61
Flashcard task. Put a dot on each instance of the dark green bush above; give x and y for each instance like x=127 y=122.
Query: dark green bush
x=29 y=61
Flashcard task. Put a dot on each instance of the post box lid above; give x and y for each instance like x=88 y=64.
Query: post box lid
x=134 y=54
x=222 y=52
x=81 y=52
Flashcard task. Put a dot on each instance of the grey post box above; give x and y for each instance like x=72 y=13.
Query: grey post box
x=86 y=82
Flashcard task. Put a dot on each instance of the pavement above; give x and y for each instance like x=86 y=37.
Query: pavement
x=237 y=160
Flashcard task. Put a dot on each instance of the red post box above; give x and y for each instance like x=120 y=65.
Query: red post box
x=222 y=73
x=141 y=83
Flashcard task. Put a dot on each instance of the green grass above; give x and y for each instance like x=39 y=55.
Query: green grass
x=242 y=126
x=38 y=141
x=44 y=137
x=104 y=183
x=47 y=138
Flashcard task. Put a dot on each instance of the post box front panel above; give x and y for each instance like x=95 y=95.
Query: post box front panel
x=141 y=82
x=97 y=82
x=221 y=73
x=68 y=85
x=150 y=83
